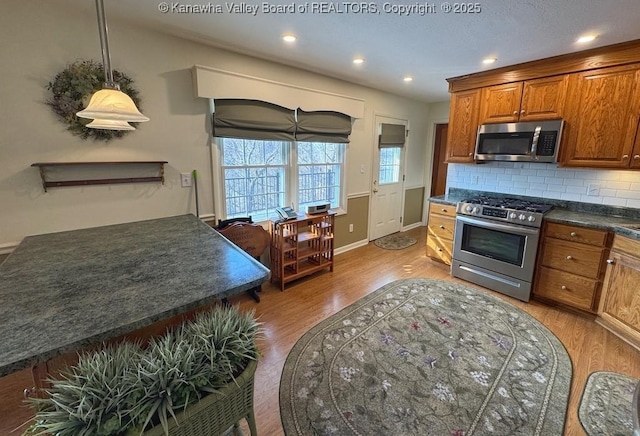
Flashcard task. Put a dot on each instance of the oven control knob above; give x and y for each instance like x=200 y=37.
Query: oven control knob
x=522 y=217
x=476 y=210
x=513 y=215
x=531 y=219
x=469 y=209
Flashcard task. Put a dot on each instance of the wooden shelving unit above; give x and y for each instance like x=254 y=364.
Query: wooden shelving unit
x=42 y=166
x=301 y=247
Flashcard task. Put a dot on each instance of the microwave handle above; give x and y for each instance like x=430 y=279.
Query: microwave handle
x=534 y=143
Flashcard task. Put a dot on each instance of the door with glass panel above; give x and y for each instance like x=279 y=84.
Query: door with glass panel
x=388 y=179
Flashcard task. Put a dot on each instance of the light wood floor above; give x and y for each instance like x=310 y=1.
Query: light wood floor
x=287 y=315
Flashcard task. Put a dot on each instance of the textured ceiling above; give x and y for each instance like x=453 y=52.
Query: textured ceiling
x=429 y=47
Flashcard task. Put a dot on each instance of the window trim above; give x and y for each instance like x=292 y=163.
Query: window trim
x=219 y=203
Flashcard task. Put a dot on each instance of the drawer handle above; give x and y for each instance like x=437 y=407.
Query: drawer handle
x=569 y=257
x=444 y=210
x=573 y=234
x=611 y=261
x=563 y=287
x=442 y=227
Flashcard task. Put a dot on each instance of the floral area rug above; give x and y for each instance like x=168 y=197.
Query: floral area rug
x=426 y=357
x=606 y=404
x=395 y=242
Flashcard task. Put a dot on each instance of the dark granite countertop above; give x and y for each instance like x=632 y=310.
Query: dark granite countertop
x=622 y=221
x=62 y=291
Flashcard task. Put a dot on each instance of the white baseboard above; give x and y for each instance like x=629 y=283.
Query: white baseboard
x=352 y=246
x=8 y=247
x=411 y=226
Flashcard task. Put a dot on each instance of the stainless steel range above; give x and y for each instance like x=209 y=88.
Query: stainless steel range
x=495 y=243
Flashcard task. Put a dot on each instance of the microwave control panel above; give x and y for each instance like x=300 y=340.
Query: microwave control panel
x=547 y=144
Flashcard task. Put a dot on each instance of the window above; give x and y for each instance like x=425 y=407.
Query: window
x=255 y=176
x=260 y=175
x=389 y=165
x=320 y=169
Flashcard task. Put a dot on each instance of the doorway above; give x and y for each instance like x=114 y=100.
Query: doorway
x=387 y=188
x=439 y=168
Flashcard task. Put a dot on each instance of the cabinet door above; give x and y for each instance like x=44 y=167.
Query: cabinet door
x=463 y=126
x=621 y=297
x=501 y=103
x=635 y=160
x=543 y=99
x=602 y=113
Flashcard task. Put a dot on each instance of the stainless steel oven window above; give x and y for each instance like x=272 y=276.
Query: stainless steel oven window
x=495 y=244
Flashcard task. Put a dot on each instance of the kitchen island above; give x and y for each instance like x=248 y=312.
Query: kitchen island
x=64 y=291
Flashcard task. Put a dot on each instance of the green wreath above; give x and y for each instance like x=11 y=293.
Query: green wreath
x=71 y=89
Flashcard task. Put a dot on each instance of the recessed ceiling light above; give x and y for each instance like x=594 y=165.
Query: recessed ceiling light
x=289 y=38
x=488 y=61
x=358 y=60
x=586 y=38
x=408 y=79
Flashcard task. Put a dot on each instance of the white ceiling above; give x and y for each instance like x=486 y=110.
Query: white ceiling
x=430 y=47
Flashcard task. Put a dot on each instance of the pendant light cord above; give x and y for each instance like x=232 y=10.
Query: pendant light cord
x=104 y=44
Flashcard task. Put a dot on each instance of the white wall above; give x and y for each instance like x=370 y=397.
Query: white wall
x=40 y=38
x=609 y=187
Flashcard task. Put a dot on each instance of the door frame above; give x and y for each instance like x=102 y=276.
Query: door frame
x=378 y=119
x=428 y=174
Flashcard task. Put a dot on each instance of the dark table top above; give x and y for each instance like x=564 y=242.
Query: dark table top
x=62 y=291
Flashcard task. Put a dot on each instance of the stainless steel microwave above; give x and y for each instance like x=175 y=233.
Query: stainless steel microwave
x=536 y=141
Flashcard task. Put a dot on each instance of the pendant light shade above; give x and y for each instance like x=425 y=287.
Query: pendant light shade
x=110 y=125
x=112 y=104
x=110 y=108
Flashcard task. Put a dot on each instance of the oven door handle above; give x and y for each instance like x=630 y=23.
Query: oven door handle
x=498 y=226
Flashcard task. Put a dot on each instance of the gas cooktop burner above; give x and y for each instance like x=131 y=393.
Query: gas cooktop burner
x=510 y=203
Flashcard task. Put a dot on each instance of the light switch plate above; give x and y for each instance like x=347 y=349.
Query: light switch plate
x=185 y=180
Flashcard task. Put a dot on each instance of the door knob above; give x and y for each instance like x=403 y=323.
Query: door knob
x=625 y=156
x=563 y=287
x=611 y=261
x=442 y=227
x=375 y=190
x=515 y=112
x=569 y=257
x=636 y=157
x=573 y=234
x=522 y=111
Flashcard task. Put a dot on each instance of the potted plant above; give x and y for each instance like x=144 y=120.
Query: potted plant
x=196 y=379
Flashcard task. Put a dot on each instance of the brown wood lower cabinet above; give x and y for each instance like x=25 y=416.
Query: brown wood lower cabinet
x=440 y=230
x=619 y=309
x=571 y=265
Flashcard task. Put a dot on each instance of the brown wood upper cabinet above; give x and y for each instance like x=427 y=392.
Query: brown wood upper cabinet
x=463 y=126
x=602 y=113
x=531 y=100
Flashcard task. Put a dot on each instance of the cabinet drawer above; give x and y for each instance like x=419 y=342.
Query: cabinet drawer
x=441 y=226
x=626 y=245
x=442 y=209
x=440 y=249
x=563 y=287
x=576 y=234
x=585 y=260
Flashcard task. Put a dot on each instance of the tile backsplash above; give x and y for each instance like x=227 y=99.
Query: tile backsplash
x=599 y=186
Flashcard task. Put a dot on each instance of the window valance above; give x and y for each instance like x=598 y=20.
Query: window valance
x=392 y=135
x=322 y=126
x=254 y=119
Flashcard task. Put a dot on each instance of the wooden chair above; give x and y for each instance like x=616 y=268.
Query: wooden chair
x=252 y=238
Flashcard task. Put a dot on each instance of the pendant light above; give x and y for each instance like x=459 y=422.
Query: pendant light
x=110 y=108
